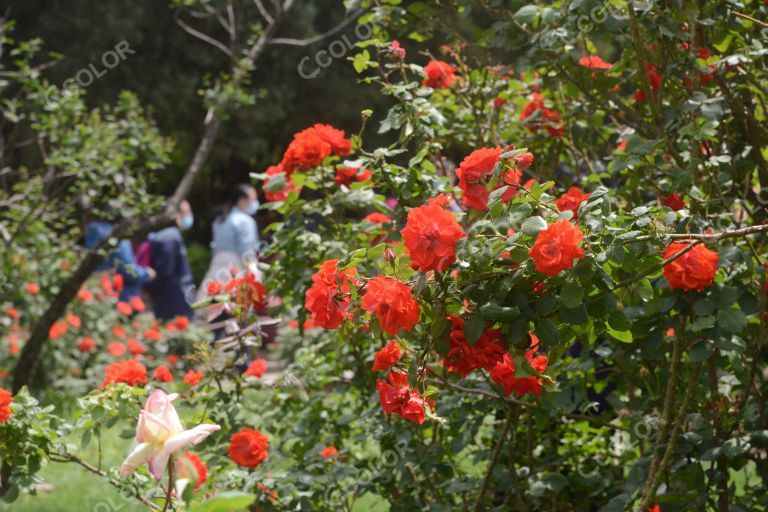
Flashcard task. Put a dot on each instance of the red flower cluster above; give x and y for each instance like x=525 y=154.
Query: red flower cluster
x=329 y=296
x=129 y=372
x=247 y=292
x=310 y=146
x=694 y=270
x=393 y=303
x=439 y=74
x=594 y=62
x=248 y=448
x=276 y=170
x=556 y=247
x=163 y=374
x=537 y=115
x=476 y=170
x=387 y=357
x=397 y=397
x=504 y=373
x=346 y=175
x=193 y=377
x=571 y=200
x=201 y=470
x=430 y=238
x=674 y=202
x=256 y=368
x=462 y=357
x=86 y=345
x=5 y=405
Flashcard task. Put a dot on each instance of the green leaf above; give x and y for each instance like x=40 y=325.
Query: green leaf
x=229 y=501
x=370 y=502
x=547 y=332
x=473 y=328
x=571 y=294
x=731 y=320
x=533 y=225
x=527 y=14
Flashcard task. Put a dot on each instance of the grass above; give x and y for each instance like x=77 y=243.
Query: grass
x=75 y=489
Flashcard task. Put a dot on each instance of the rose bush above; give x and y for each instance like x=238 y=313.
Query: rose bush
x=546 y=293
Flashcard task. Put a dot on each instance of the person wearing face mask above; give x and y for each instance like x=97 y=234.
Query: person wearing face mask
x=235 y=238
x=173 y=289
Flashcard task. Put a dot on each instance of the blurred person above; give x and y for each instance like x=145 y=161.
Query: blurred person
x=173 y=290
x=121 y=260
x=235 y=238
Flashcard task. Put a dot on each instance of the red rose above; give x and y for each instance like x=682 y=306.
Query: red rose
x=346 y=175
x=340 y=145
x=594 y=62
x=74 y=320
x=504 y=372
x=537 y=115
x=5 y=405
x=117 y=349
x=163 y=374
x=201 y=470
x=119 y=331
x=396 y=397
x=248 y=448
x=556 y=247
x=329 y=451
x=135 y=347
x=462 y=357
x=193 y=377
x=57 y=330
x=674 y=202
x=571 y=200
x=475 y=171
x=397 y=50
x=32 y=288
x=694 y=270
x=393 y=303
x=124 y=308
x=256 y=368
x=86 y=345
x=377 y=218
x=655 y=80
x=276 y=170
x=129 y=372
x=152 y=334
x=430 y=238
x=137 y=304
x=84 y=296
x=305 y=151
x=439 y=74
x=329 y=296
x=387 y=356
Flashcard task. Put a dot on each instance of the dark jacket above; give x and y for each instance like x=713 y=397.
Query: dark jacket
x=173 y=290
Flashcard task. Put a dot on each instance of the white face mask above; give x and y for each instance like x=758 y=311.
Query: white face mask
x=187 y=222
x=253 y=207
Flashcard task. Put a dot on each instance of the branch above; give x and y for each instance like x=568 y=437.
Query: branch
x=750 y=18
x=708 y=237
x=263 y=11
x=312 y=40
x=203 y=37
x=494 y=459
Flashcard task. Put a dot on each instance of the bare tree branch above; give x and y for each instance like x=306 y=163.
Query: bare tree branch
x=312 y=40
x=263 y=11
x=203 y=37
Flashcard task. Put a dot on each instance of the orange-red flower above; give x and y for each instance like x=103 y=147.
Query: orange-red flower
x=246 y=291
x=430 y=238
x=117 y=349
x=200 y=469
x=193 y=377
x=124 y=308
x=556 y=248
x=57 y=330
x=329 y=451
x=396 y=397
x=32 y=288
x=694 y=270
x=74 y=320
x=393 y=303
x=674 y=202
x=135 y=347
x=537 y=115
x=129 y=372
x=340 y=144
x=248 y=448
x=12 y=313
x=86 y=345
x=476 y=170
x=377 y=218
x=504 y=373
x=163 y=374
x=119 y=331
x=462 y=357
x=439 y=74
x=6 y=399
x=256 y=368
x=310 y=146
x=137 y=304
x=181 y=323
x=571 y=200
x=152 y=334
x=272 y=195
x=346 y=175
x=594 y=62
x=387 y=356
x=655 y=80
x=329 y=296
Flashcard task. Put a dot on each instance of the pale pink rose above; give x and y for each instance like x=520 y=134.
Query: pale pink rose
x=160 y=434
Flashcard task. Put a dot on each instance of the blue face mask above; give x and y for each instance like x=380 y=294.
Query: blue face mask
x=187 y=221
x=253 y=207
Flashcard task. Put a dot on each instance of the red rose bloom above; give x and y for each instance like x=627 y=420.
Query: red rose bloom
x=163 y=374
x=57 y=330
x=84 y=295
x=387 y=356
x=137 y=304
x=475 y=171
x=86 y=345
x=430 y=238
x=271 y=195
x=340 y=145
x=462 y=357
x=329 y=296
x=256 y=368
x=393 y=303
x=396 y=397
x=694 y=270
x=74 y=321
x=329 y=451
x=135 y=347
x=305 y=151
x=12 y=312
x=117 y=349
x=571 y=200
x=200 y=468
x=377 y=218
x=5 y=405
x=32 y=288
x=129 y=372
x=192 y=377
x=504 y=372
x=346 y=175
x=152 y=334
x=124 y=308
x=674 y=202
x=594 y=62
x=119 y=331
x=246 y=291
x=537 y=115
x=439 y=74
x=248 y=448
x=556 y=247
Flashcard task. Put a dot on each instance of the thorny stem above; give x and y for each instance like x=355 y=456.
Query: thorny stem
x=494 y=460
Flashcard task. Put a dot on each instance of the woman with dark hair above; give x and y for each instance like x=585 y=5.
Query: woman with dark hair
x=235 y=237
